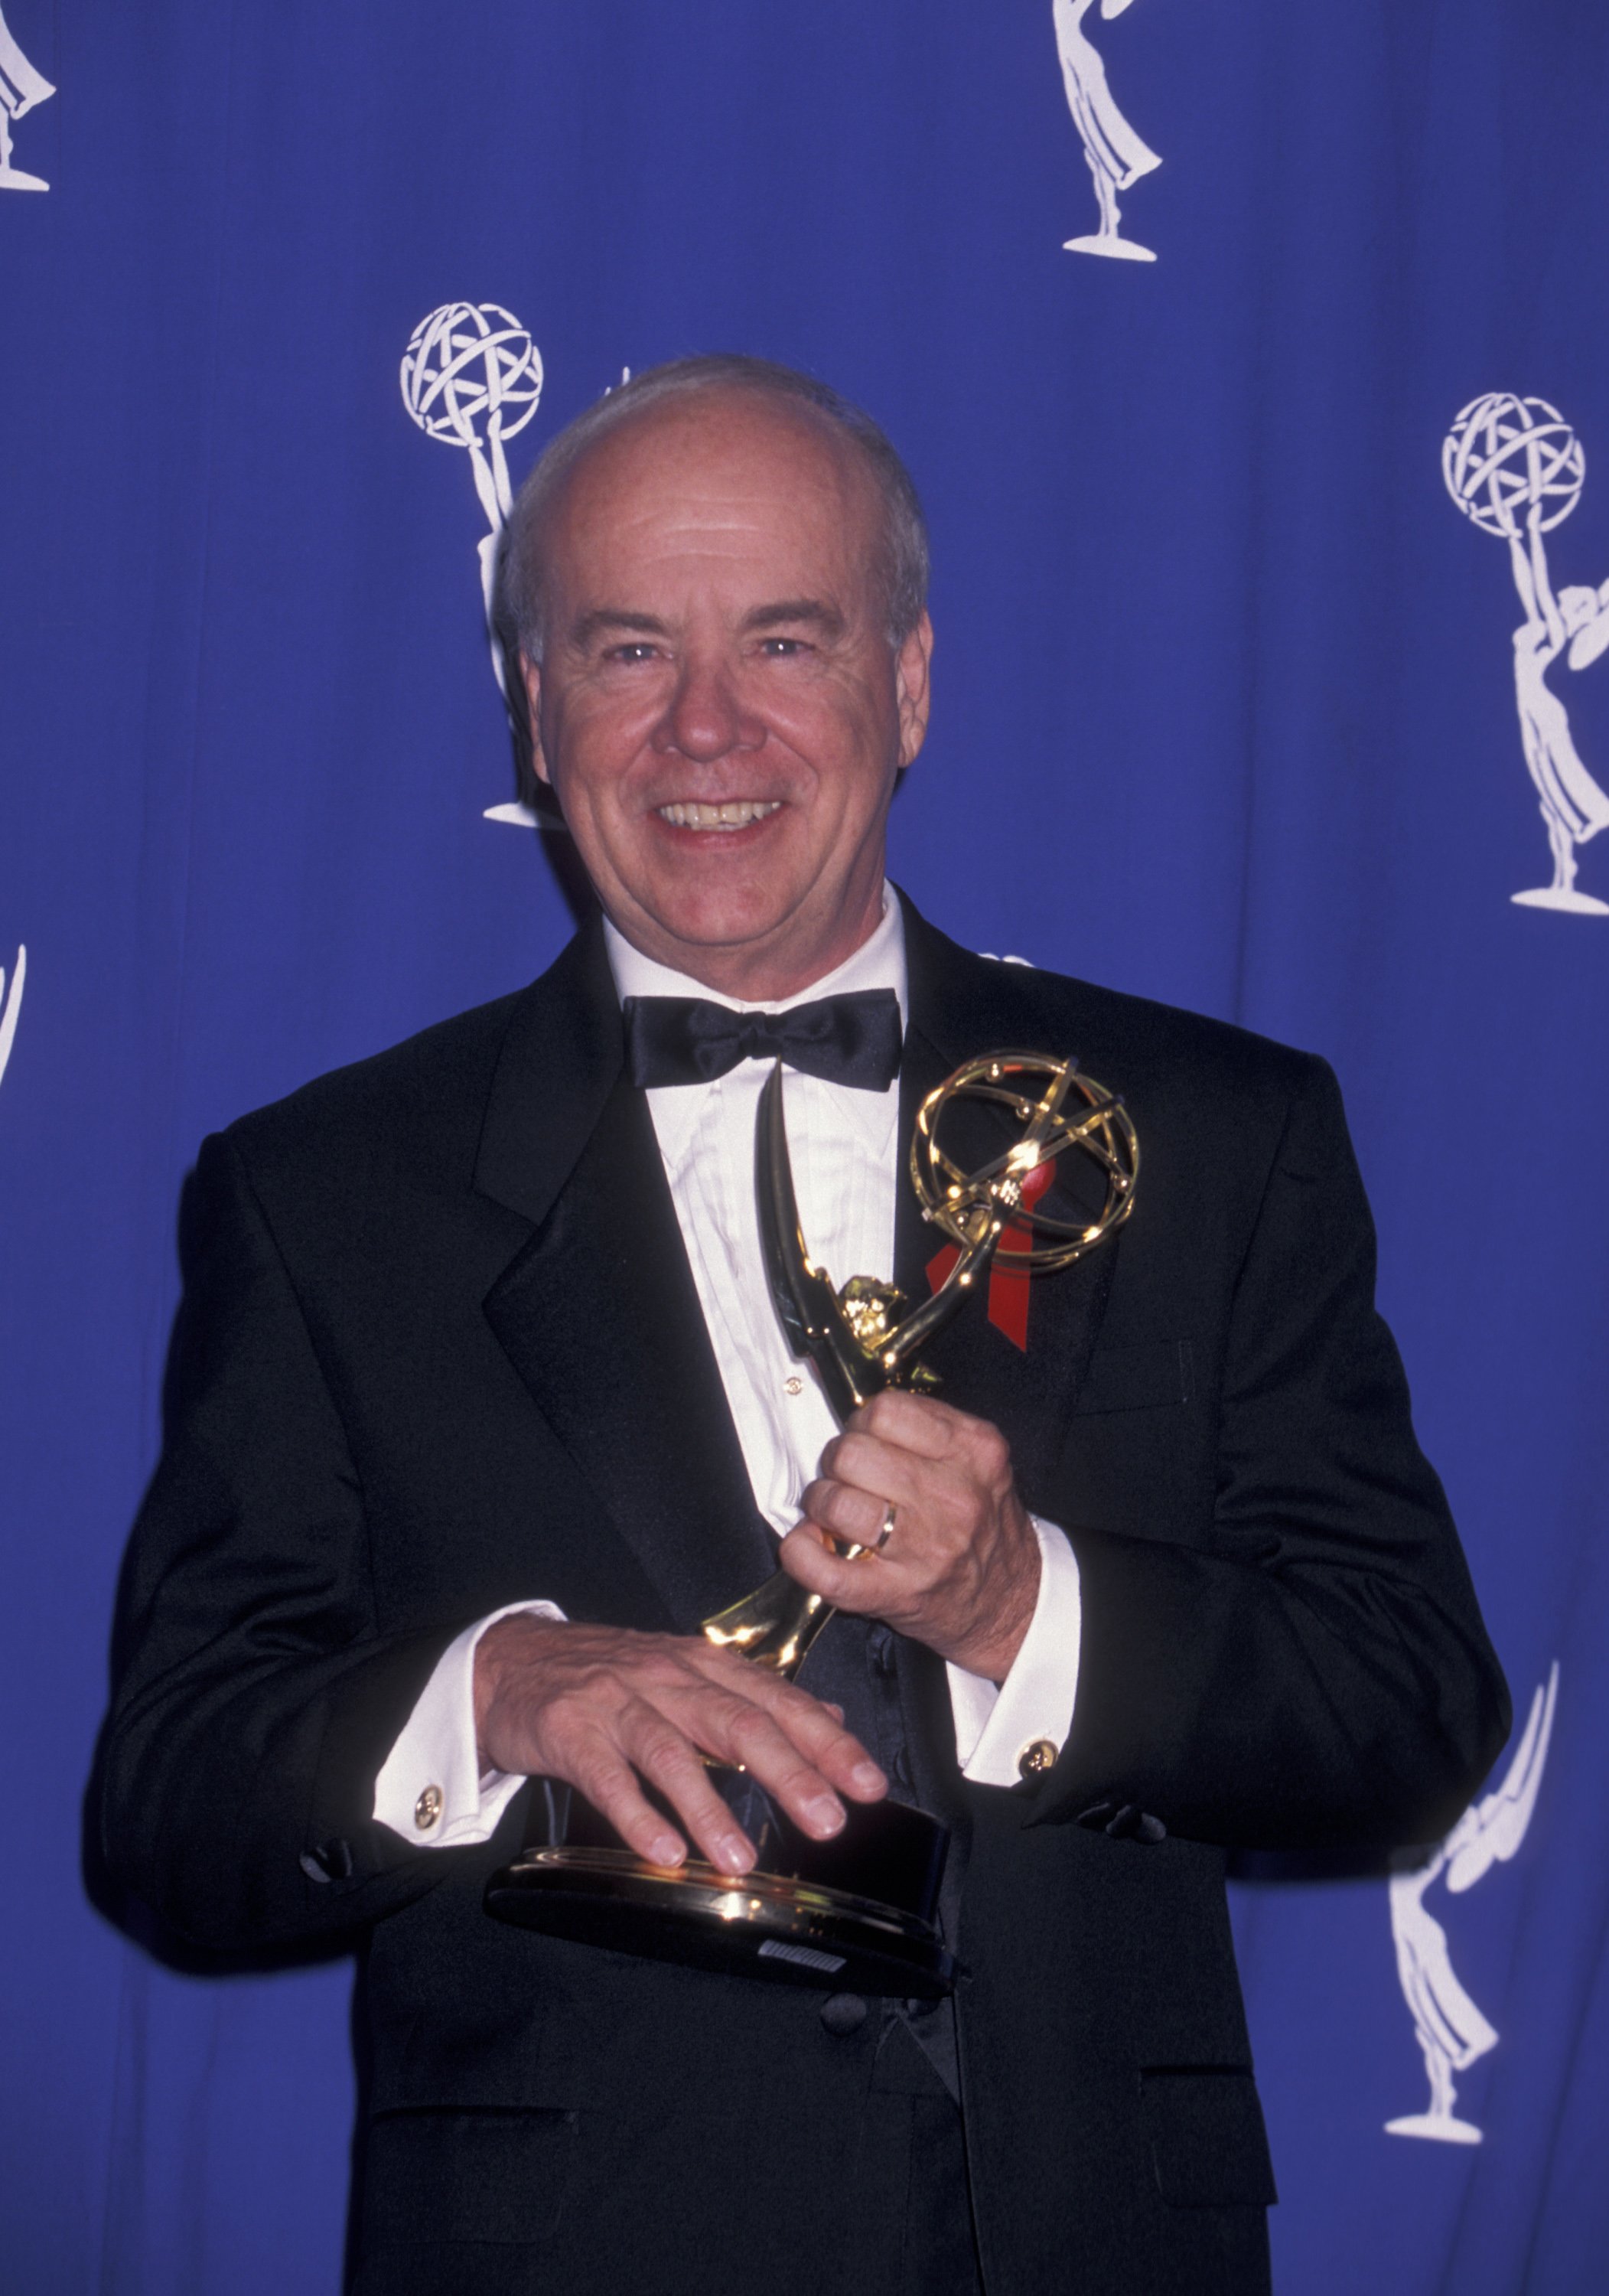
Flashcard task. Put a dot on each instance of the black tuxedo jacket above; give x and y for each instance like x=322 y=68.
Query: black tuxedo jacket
x=440 y=1349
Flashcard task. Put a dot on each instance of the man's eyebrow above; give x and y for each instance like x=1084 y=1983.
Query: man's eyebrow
x=825 y=618
x=610 y=620
x=603 y=619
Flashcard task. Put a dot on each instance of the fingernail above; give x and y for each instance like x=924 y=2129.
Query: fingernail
x=868 y=1775
x=826 y=1815
x=667 y=1851
x=736 y=1856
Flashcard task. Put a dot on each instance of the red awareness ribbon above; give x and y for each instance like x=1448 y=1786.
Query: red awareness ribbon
x=1007 y=1286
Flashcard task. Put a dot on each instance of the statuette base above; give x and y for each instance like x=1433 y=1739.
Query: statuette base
x=793 y=1922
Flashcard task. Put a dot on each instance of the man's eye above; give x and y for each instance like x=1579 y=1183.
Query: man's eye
x=779 y=649
x=638 y=650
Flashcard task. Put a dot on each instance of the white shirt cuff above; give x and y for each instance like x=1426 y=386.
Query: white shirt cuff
x=994 y=1726
x=431 y=1788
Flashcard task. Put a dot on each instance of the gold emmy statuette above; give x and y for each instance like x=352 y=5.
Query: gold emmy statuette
x=855 y=1913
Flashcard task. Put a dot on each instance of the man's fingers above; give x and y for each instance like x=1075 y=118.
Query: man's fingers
x=847 y=1512
x=668 y=1760
x=933 y=1432
x=749 y=1740
x=913 y=1423
x=792 y=1745
x=626 y=1717
x=836 y=1753
x=861 y=1584
x=868 y=1463
x=611 y=1787
x=797 y=1753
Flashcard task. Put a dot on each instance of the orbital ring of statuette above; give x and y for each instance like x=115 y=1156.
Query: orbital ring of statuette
x=1060 y=1109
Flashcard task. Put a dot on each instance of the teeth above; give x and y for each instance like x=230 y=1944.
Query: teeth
x=736 y=813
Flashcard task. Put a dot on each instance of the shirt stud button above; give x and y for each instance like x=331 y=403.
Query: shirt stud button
x=793 y=1384
x=1036 y=1757
x=427 y=1809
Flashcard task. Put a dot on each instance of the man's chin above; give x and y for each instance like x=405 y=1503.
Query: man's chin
x=724 y=927
x=714 y=901
x=713 y=913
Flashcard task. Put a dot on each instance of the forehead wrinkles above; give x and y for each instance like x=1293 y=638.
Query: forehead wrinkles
x=718 y=483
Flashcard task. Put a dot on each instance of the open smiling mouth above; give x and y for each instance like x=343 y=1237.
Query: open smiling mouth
x=736 y=813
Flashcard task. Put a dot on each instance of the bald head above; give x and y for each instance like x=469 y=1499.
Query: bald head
x=724 y=386
x=697 y=482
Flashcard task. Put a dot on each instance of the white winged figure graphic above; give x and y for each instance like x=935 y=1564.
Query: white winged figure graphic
x=1452 y=2032
x=20 y=89
x=1116 y=153
x=11 y=1006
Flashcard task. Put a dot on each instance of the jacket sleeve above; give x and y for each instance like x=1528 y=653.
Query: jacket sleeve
x=1317 y=1674
x=254 y=1695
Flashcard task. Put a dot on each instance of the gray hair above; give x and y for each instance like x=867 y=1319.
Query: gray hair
x=521 y=560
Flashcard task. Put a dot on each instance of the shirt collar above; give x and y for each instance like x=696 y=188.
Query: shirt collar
x=879 y=963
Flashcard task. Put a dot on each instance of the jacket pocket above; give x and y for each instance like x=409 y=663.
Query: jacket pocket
x=1136 y=1379
x=495 y=2175
x=1209 y=2147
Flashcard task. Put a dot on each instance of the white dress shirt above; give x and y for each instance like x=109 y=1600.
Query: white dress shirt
x=844 y=1147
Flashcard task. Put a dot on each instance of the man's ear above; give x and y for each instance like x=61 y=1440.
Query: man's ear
x=913 y=689
x=530 y=677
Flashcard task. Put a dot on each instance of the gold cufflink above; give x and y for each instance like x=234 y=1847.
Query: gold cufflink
x=1036 y=1757
x=427 y=1809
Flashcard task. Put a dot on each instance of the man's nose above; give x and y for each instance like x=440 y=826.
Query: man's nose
x=706 y=717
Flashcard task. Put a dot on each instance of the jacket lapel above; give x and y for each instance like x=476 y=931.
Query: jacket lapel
x=962 y=1005
x=597 y=1312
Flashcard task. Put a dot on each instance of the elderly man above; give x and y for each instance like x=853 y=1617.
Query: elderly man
x=480 y=1406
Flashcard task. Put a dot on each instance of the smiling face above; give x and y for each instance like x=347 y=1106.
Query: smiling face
x=718 y=707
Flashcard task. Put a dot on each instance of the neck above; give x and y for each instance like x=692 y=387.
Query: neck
x=766 y=972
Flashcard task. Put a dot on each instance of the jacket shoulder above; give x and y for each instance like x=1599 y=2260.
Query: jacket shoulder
x=1126 y=1041
x=1173 y=1037
x=431 y=1089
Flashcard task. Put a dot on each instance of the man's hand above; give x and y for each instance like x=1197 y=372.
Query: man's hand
x=960 y=1567
x=602 y=1709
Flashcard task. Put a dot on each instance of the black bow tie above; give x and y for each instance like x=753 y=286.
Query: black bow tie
x=852 y=1039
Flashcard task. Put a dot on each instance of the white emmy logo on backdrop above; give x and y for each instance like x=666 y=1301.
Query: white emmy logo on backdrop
x=20 y=89
x=472 y=376
x=1517 y=468
x=11 y=1006
x=1116 y=154
x=1451 y=2031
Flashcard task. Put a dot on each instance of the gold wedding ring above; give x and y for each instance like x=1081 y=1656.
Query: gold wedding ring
x=887 y=1531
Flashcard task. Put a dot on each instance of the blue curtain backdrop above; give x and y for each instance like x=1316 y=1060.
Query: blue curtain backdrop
x=1226 y=714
